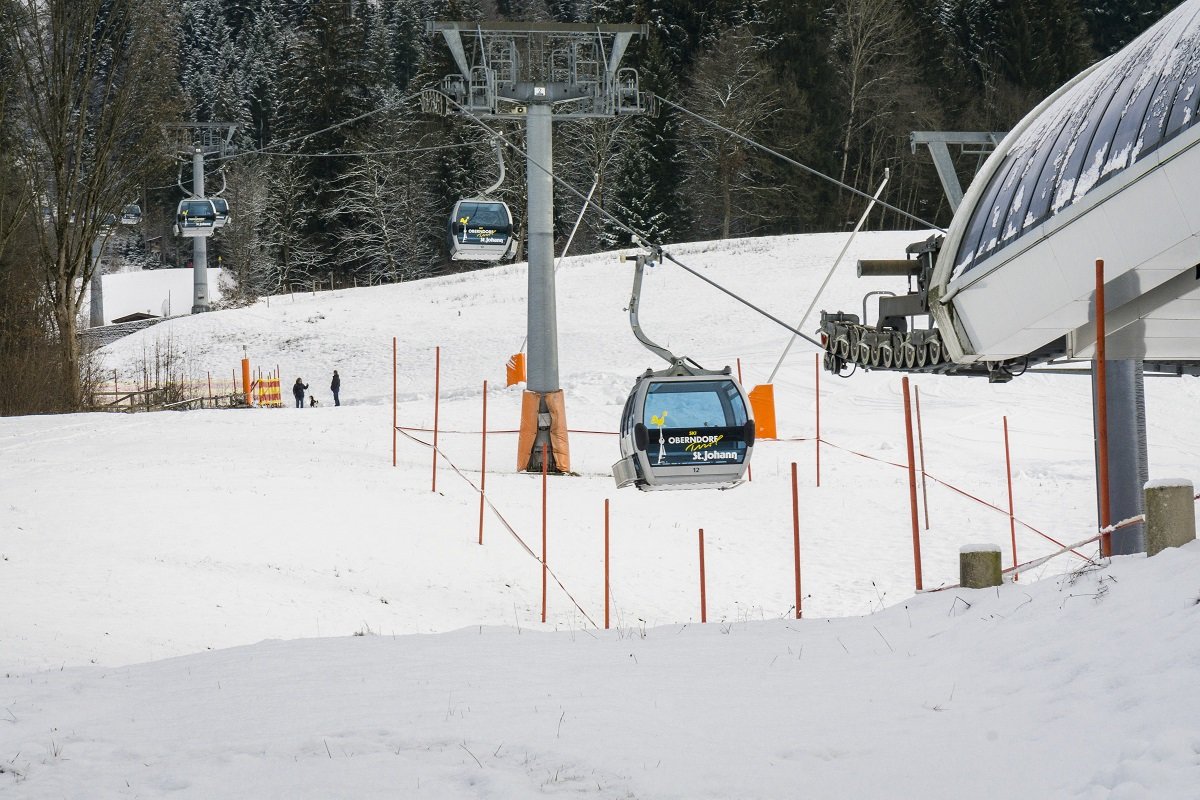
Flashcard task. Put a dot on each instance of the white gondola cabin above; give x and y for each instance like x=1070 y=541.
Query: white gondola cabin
x=481 y=230
x=221 y=206
x=131 y=214
x=195 y=216
x=685 y=431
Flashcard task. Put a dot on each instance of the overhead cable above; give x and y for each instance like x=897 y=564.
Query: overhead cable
x=638 y=235
x=797 y=164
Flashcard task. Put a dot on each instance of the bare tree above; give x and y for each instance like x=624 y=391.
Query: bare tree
x=727 y=184
x=89 y=92
x=250 y=269
x=872 y=45
x=589 y=151
x=289 y=207
x=388 y=200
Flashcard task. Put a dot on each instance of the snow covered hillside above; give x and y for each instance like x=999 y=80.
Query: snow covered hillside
x=363 y=644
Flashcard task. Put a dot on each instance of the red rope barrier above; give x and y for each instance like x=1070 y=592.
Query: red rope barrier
x=508 y=527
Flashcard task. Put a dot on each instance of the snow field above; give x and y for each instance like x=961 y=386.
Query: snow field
x=363 y=644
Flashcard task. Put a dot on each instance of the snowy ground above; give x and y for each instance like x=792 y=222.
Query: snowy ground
x=364 y=645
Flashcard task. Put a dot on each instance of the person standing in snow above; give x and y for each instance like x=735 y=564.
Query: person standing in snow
x=298 y=392
x=334 y=386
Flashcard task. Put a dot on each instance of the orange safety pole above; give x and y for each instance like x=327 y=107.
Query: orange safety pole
x=796 y=535
x=912 y=484
x=703 y=599
x=483 y=464
x=749 y=467
x=545 y=460
x=817 y=366
x=1012 y=520
x=921 y=446
x=437 y=391
x=1102 y=413
x=393 y=401
x=246 y=379
x=606 y=584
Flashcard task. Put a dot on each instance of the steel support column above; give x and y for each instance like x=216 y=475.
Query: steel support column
x=199 y=243
x=1128 y=464
x=543 y=319
x=96 y=301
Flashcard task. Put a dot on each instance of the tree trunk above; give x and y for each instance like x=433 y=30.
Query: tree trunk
x=68 y=342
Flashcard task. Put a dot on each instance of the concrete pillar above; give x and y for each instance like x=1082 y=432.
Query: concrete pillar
x=979 y=566
x=1170 y=514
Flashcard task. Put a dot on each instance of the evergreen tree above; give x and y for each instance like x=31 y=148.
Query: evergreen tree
x=209 y=66
x=324 y=96
x=1113 y=24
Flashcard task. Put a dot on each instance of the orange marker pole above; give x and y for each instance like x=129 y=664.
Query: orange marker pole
x=483 y=463
x=393 y=401
x=246 y=380
x=796 y=535
x=703 y=599
x=1012 y=520
x=912 y=484
x=606 y=584
x=921 y=446
x=749 y=467
x=437 y=391
x=545 y=568
x=1102 y=413
x=817 y=370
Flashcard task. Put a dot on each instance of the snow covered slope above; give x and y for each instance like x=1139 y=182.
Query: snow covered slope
x=158 y=537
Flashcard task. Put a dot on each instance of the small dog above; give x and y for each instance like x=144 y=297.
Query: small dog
x=313 y=402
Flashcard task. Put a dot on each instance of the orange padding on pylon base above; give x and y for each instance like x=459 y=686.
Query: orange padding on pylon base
x=762 y=401
x=515 y=369
x=556 y=405
x=268 y=393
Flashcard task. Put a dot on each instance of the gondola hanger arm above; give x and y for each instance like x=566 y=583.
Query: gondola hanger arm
x=640 y=261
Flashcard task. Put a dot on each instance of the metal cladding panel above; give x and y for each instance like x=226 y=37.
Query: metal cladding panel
x=1112 y=118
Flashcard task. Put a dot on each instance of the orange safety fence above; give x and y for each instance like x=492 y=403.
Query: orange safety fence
x=268 y=393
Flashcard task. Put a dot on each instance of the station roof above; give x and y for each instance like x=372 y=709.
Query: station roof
x=1087 y=134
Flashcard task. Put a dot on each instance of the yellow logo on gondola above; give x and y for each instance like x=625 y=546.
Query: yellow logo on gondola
x=694 y=441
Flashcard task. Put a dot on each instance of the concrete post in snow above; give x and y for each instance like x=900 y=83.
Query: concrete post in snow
x=979 y=566
x=1170 y=514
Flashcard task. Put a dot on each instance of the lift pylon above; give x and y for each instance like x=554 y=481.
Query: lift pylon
x=539 y=73
x=193 y=141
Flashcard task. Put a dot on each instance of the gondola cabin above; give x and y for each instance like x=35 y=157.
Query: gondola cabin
x=131 y=214
x=195 y=216
x=481 y=230
x=685 y=432
x=221 y=206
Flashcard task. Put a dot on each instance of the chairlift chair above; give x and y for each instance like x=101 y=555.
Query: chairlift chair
x=196 y=216
x=683 y=427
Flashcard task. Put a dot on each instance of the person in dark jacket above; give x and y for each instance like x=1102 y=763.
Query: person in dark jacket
x=334 y=386
x=298 y=392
